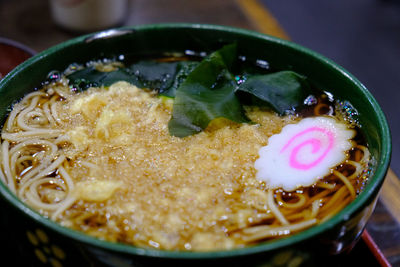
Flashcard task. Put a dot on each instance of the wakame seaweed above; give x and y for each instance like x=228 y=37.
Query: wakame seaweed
x=159 y=76
x=91 y=77
x=205 y=90
x=282 y=91
x=207 y=93
x=185 y=68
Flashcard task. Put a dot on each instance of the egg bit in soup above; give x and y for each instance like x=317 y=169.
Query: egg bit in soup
x=183 y=154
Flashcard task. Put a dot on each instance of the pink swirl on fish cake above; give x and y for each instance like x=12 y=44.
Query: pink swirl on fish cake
x=316 y=146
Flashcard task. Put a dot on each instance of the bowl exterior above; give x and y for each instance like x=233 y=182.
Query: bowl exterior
x=43 y=241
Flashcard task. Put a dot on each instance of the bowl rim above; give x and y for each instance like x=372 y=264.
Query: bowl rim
x=371 y=188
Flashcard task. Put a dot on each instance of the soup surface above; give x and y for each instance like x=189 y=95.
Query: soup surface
x=102 y=161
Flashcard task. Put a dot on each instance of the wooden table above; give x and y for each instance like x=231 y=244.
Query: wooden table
x=30 y=23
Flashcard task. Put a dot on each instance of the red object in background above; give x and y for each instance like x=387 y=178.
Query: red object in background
x=375 y=249
x=12 y=54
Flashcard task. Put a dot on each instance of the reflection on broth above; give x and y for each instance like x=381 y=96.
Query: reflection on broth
x=103 y=161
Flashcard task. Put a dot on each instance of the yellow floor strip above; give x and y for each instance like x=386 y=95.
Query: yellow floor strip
x=261 y=18
x=390 y=194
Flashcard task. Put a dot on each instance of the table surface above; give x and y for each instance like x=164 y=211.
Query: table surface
x=30 y=23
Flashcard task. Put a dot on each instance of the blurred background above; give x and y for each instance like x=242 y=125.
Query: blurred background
x=361 y=35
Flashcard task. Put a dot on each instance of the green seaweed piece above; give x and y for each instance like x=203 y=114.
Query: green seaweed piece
x=282 y=91
x=144 y=74
x=207 y=93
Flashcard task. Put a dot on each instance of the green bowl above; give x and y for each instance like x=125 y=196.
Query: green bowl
x=43 y=241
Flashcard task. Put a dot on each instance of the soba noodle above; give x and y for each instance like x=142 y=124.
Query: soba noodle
x=39 y=164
